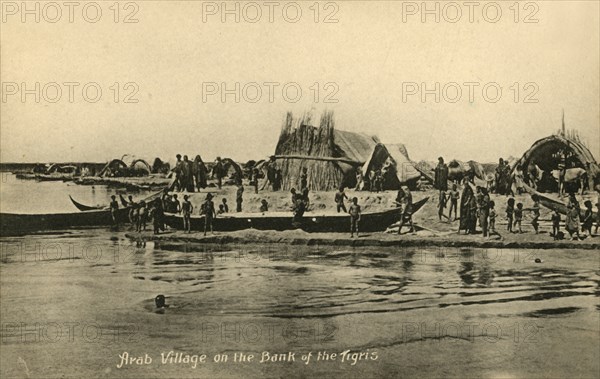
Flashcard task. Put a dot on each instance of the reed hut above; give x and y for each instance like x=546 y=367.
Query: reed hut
x=546 y=154
x=331 y=156
x=394 y=163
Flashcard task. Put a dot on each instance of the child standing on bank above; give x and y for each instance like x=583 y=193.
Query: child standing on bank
x=442 y=201
x=555 y=225
x=492 y=215
x=519 y=216
x=454 y=196
x=510 y=211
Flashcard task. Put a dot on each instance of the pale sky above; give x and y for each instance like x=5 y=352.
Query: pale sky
x=369 y=53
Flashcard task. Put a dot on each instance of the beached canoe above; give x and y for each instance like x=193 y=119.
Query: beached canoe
x=14 y=223
x=124 y=202
x=311 y=222
x=83 y=207
x=552 y=204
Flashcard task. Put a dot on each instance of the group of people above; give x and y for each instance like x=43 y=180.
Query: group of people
x=190 y=175
x=573 y=223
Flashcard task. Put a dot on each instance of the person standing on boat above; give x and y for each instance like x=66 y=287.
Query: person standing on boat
x=114 y=207
x=239 y=197
x=186 y=209
x=339 y=200
x=441 y=175
x=355 y=213
x=209 y=213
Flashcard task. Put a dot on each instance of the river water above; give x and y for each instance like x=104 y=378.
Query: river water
x=74 y=303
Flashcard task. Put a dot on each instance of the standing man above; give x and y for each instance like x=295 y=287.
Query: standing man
x=114 y=207
x=186 y=167
x=441 y=175
x=209 y=213
x=239 y=197
x=186 y=209
x=178 y=173
x=484 y=210
x=339 y=200
x=218 y=171
x=354 y=217
x=405 y=198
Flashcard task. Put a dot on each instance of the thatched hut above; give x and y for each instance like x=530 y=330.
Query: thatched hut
x=330 y=156
x=547 y=153
x=396 y=166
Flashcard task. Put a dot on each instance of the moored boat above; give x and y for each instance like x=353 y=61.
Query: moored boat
x=83 y=207
x=15 y=223
x=311 y=222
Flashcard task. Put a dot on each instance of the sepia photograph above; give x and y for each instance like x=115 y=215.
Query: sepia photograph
x=300 y=189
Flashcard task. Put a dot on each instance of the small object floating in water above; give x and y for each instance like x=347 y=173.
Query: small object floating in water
x=159 y=301
x=538 y=260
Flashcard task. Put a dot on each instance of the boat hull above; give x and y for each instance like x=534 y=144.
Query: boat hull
x=13 y=223
x=340 y=223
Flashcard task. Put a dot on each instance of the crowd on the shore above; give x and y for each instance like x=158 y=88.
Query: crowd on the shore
x=473 y=206
x=478 y=209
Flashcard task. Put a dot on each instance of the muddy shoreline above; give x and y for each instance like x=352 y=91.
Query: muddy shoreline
x=420 y=239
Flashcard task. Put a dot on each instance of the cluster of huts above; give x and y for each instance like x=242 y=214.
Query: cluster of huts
x=334 y=158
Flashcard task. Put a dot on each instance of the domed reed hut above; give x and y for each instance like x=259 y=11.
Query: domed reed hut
x=545 y=155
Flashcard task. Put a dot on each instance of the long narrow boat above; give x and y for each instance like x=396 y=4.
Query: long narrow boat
x=370 y=221
x=83 y=207
x=14 y=223
x=552 y=204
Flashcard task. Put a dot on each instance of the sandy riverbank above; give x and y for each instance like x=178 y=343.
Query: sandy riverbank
x=431 y=231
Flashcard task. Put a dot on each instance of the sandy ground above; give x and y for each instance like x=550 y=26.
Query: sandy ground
x=431 y=230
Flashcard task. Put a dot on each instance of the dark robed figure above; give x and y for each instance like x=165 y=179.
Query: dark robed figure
x=441 y=175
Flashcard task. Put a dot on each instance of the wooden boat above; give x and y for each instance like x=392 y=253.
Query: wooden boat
x=552 y=204
x=370 y=222
x=14 y=223
x=124 y=202
x=83 y=207
x=55 y=177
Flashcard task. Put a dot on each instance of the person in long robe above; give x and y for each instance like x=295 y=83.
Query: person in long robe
x=464 y=208
x=200 y=173
x=441 y=175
